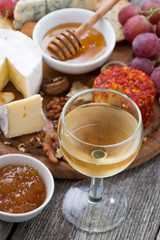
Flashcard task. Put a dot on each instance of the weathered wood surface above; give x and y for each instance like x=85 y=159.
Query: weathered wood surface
x=142 y=188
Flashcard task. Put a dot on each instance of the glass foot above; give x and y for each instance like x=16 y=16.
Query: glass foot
x=91 y=216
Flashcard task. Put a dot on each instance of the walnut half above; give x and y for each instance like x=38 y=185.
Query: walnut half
x=56 y=86
x=49 y=147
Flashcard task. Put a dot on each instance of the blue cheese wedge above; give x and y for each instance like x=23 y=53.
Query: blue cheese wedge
x=22 y=117
x=20 y=62
x=33 y=10
x=28 y=10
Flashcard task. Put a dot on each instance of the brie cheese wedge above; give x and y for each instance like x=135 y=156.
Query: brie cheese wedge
x=20 y=62
x=22 y=117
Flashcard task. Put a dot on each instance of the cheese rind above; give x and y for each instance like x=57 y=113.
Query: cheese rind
x=22 y=117
x=20 y=62
x=33 y=10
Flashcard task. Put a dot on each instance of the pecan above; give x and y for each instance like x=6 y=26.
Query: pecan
x=49 y=105
x=49 y=148
x=55 y=106
x=50 y=145
x=56 y=116
x=53 y=115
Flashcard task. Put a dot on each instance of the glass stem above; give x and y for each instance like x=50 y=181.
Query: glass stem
x=96 y=190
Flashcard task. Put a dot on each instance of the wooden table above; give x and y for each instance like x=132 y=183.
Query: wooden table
x=142 y=188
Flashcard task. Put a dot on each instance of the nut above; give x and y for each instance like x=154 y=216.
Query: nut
x=36 y=142
x=59 y=153
x=55 y=106
x=111 y=64
x=7 y=143
x=56 y=86
x=50 y=147
x=22 y=147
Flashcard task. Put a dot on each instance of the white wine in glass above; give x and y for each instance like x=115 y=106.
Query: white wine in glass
x=100 y=133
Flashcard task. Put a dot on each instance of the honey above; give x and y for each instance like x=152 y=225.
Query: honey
x=21 y=189
x=93 y=43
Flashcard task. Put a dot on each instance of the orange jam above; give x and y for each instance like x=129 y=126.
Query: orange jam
x=21 y=189
x=93 y=43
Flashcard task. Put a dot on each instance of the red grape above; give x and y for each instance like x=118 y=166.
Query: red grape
x=145 y=45
x=134 y=26
x=7 y=5
x=143 y=64
x=156 y=79
x=128 y=12
x=150 y=5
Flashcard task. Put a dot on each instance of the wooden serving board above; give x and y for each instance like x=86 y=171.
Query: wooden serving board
x=151 y=143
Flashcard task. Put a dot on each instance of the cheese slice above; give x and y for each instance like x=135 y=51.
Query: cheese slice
x=33 y=10
x=22 y=117
x=20 y=62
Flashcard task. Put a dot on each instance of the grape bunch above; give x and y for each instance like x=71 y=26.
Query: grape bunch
x=141 y=26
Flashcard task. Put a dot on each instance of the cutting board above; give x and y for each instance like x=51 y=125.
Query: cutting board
x=151 y=142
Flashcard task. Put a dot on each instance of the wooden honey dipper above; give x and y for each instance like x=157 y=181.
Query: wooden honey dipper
x=66 y=44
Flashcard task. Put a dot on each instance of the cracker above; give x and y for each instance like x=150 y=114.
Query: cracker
x=112 y=17
x=76 y=88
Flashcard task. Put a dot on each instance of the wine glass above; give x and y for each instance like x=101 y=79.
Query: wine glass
x=100 y=134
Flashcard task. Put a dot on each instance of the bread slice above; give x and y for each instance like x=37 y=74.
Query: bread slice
x=112 y=17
